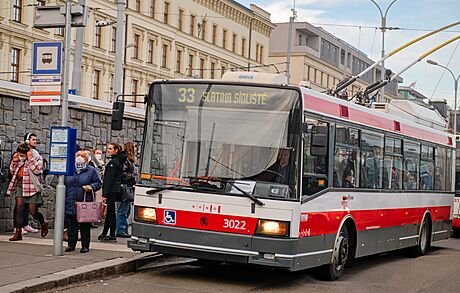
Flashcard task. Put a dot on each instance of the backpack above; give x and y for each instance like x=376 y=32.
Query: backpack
x=128 y=176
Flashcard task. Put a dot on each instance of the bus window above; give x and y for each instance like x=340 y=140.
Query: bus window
x=440 y=169
x=371 y=160
x=346 y=157
x=392 y=171
x=427 y=168
x=449 y=171
x=411 y=165
x=315 y=157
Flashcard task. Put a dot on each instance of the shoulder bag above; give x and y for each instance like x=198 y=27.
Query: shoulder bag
x=88 y=212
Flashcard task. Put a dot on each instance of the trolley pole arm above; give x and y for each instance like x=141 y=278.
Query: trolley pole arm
x=374 y=87
x=356 y=77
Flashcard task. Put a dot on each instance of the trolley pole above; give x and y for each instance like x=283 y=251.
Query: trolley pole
x=60 y=188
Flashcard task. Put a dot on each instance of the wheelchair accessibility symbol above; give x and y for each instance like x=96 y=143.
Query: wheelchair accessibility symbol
x=170 y=217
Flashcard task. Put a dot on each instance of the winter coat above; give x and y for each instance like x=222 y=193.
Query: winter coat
x=74 y=188
x=32 y=167
x=113 y=175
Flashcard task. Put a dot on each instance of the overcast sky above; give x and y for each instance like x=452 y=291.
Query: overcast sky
x=414 y=17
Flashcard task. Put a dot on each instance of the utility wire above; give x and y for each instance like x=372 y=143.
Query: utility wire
x=444 y=70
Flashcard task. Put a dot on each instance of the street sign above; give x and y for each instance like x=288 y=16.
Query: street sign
x=46 y=74
x=47 y=58
x=63 y=143
x=54 y=16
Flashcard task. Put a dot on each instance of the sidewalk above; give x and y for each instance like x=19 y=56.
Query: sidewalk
x=29 y=265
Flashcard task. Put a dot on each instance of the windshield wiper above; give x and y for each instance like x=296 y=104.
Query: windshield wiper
x=247 y=194
x=169 y=187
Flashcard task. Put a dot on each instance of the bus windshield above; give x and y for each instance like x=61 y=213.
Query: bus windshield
x=222 y=138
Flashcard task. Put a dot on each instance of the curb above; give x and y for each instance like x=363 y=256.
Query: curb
x=111 y=267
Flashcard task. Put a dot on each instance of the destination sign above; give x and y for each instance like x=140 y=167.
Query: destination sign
x=218 y=95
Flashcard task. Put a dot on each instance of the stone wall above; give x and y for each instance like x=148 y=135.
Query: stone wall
x=17 y=117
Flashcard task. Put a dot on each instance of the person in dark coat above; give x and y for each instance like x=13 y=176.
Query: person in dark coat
x=111 y=188
x=80 y=187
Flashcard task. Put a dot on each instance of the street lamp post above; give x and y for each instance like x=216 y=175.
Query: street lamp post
x=383 y=18
x=455 y=91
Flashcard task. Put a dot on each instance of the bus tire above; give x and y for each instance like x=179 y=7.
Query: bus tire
x=340 y=257
x=423 y=242
x=456 y=232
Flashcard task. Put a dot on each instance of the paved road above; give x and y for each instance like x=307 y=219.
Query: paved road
x=438 y=271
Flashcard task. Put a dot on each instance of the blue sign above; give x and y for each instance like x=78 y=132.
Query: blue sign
x=47 y=58
x=63 y=145
x=169 y=217
x=72 y=91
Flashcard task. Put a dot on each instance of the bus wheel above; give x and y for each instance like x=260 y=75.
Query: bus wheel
x=423 y=241
x=334 y=270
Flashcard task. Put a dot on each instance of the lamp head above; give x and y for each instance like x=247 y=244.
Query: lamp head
x=431 y=62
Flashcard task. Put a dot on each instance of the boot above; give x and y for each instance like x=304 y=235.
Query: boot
x=44 y=229
x=17 y=235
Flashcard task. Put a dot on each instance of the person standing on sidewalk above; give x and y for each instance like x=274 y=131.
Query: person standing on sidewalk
x=111 y=188
x=80 y=187
x=128 y=180
x=31 y=140
x=26 y=187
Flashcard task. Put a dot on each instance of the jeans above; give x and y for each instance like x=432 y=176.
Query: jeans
x=123 y=211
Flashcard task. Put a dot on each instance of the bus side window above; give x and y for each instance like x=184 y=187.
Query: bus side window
x=315 y=156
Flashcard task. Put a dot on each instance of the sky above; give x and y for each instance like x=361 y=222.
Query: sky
x=355 y=22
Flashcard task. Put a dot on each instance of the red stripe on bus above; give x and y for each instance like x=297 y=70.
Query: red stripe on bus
x=209 y=221
x=328 y=222
x=330 y=108
x=456 y=223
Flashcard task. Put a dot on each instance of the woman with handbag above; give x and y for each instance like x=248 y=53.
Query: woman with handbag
x=26 y=185
x=80 y=187
x=111 y=188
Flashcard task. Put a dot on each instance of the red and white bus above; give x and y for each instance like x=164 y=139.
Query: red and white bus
x=249 y=171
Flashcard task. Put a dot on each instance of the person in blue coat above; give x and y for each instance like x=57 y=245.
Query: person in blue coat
x=85 y=182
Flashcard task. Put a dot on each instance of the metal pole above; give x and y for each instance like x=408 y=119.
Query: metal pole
x=382 y=72
x=76 y=75
x=119 y=48
x=60 y=188
x=288 y=59
x=250 y=41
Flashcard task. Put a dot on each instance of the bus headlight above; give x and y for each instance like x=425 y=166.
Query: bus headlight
x=272 y=228
x=143 y=214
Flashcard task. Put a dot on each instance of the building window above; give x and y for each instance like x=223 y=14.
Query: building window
x=17 y=10
x=114 y=39
x=300 y=40
x=134 y=84
x=223 y=70
x=166 y=13
x=41 y=2
x=203 y=30
x=152 y=9
x=15 y=64
x=234 y=43
x=342 y=57
x=96 y=83
x=190 y=65
x=136 y=46
x=243 y=47
x=111 y=82
x=60 y=31
x=202 y=62
x=259 y=52
x=179 y=61
x=164 y=60
x=192 y=24
x=98 y=37
x=224 y=39
x=214 y=34
x=213 y=70
x=181 y=20
x=150 y=45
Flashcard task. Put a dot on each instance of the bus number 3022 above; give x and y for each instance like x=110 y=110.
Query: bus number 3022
x=234 y=224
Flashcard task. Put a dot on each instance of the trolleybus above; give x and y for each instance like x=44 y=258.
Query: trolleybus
x=251 y=170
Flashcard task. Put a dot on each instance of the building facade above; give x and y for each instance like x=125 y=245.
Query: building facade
x=163 y=39
x=321 y=60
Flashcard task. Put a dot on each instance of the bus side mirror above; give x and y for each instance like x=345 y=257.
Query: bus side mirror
x=117 y=115
x=318 y=144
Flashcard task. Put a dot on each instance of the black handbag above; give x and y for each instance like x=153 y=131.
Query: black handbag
x=127 y=193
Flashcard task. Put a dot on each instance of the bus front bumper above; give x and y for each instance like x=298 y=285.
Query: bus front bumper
x=249 y=249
